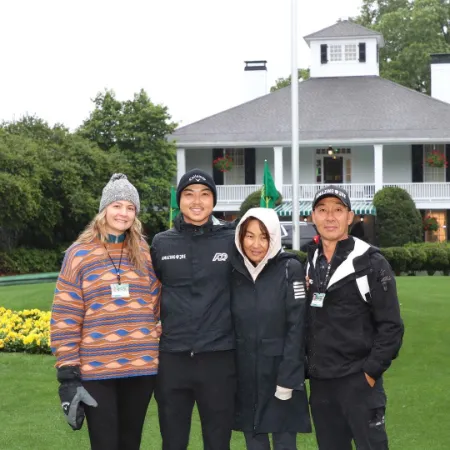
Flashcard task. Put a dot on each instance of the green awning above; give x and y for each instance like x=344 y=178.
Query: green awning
x=285 y=209
x=358 y=207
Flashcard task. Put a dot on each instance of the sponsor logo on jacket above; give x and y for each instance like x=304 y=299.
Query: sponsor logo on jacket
x=220 y=257
x=164 y=258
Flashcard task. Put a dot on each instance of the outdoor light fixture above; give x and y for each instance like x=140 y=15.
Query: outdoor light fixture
x=330 y=150
x=361 y=218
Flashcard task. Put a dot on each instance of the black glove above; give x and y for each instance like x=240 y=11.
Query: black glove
x=73 y=395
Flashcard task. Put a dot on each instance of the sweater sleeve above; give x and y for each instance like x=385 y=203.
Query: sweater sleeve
x=291 y=373
x=68 y=310
x=155 y=285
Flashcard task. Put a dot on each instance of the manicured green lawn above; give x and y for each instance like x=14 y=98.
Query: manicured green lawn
x=28 y=296
x=417 y=384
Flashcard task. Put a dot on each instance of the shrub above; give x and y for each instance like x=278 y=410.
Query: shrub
x=446 y=271
x=30 y=260
x=252 y=201
x=437 y=258
x=418 y=258
x=399 y=258
x=302 y=256
x=398 y=221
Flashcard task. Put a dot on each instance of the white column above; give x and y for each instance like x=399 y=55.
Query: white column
x=378 y=166
x=278 y=168
x=181 y=163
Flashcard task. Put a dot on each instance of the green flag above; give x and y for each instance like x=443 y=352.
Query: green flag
x=174 y=209
x=269 y=193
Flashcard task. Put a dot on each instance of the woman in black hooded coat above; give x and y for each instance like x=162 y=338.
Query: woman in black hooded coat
x=268 y=307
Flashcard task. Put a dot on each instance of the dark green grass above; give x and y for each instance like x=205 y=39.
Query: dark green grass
x=417 y=384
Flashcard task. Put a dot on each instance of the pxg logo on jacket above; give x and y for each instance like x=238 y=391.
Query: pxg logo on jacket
x=221 y=257
x=197 y=178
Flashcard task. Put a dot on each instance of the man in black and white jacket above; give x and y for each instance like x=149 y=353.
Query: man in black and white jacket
x=354 y=329
x=196 y=362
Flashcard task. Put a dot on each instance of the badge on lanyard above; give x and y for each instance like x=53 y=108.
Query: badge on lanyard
x=317 y=300
x=120 y=290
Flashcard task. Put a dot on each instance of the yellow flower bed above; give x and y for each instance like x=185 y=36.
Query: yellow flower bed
x=24 y=331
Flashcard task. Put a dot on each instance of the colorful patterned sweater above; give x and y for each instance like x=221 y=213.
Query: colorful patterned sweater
x=108 y=337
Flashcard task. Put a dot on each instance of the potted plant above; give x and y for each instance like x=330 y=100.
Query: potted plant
x=223 y=163
x=436 y=159
x=430 y=223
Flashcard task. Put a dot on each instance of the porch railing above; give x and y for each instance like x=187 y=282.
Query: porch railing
x=418 y=191
x=425 y=191
x=308 y=191
x=235 y=193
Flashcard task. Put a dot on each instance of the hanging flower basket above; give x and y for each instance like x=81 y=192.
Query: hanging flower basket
x=223 y=163
x=436 y=159
x=430 y=224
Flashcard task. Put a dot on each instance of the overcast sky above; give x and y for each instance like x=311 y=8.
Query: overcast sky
x=187 y=54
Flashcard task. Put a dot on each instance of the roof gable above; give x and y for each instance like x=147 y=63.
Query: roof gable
x=343 y=29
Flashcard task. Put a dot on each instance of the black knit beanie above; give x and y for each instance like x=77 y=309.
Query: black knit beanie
x=196 y=176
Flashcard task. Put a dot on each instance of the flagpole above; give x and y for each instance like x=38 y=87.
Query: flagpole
x=295 y=130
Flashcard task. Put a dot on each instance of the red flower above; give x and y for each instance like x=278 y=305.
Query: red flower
x=436 y=159
x=223 y=163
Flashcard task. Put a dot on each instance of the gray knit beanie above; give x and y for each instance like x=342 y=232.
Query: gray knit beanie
x=119 y=188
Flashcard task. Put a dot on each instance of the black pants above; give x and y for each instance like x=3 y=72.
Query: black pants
x=280 y=441
x=116 y=423
x=346 y=409
x=209 y=379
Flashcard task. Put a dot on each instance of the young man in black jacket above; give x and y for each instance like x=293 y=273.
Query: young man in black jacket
x=196 y=362
x=354 y=329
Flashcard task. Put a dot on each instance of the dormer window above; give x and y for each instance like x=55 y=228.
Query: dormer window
x=343 y=52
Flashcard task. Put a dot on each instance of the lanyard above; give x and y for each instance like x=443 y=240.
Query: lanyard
x=117 y=269
x=323 y=287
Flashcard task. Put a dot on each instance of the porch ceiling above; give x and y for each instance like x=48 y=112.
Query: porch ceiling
x=365 y=109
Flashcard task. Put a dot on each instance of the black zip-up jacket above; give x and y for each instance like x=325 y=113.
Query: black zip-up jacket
x=359 y=327
x=193 y=265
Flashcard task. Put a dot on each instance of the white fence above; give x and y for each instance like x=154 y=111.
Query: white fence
x=418 y=191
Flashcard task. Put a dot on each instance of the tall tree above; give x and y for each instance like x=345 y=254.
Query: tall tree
x=303 y=74
x=412 y=29
x=50 y=183
x=137 y=129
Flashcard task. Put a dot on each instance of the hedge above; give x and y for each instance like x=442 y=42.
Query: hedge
x=30 y=260
x=412 y=258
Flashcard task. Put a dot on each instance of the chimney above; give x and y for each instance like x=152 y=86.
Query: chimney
x=255 y=80
x=440 y=76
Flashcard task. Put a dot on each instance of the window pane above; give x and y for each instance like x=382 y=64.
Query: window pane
x=335 y=53
x=237 y=174
x=350 y=52
x=348 y=170
x=430 y=173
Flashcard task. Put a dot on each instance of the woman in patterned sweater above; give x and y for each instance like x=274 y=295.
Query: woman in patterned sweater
x=104 y=325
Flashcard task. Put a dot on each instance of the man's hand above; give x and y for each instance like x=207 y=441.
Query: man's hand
x=370 y=380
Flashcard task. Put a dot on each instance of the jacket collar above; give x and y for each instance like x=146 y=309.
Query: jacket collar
x=182 y=226
x=344 y=256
